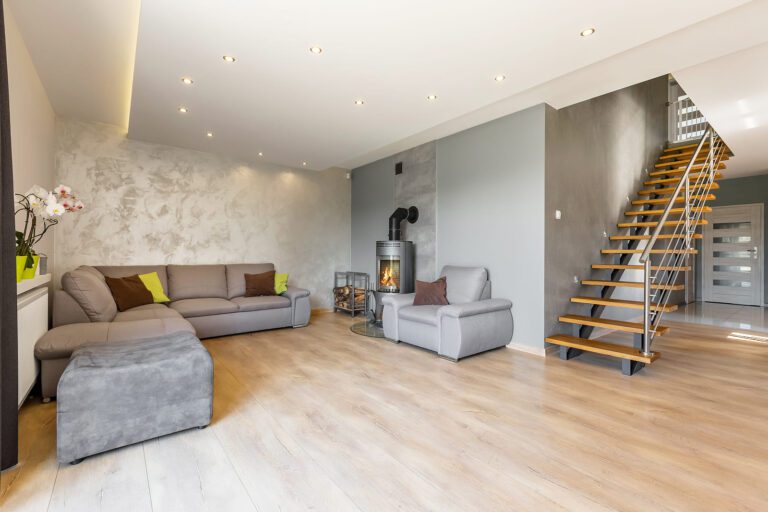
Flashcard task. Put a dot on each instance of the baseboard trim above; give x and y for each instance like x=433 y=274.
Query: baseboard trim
x=536 y=351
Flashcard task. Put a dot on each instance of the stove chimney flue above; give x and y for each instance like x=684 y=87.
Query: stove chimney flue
x=410 y=214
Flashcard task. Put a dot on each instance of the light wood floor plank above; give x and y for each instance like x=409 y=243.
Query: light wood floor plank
x=321 y=419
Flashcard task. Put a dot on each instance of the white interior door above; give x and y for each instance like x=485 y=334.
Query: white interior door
x=733 y=255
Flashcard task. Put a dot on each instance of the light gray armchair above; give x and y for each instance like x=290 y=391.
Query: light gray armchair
x=473 y=322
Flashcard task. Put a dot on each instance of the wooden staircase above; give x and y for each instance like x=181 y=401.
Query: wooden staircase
x=692 y=168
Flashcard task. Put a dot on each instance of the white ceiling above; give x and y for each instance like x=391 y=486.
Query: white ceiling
x=294 y=106
x=732 y=92
x=84 y=53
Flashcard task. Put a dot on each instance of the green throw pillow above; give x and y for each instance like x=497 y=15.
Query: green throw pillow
x=153 y=284
x=281 y=283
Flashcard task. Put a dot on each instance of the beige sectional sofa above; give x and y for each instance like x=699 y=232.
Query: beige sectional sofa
x=207 y=300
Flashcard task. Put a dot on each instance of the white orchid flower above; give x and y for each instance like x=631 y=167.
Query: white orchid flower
x=55 y=210
x=62 y=191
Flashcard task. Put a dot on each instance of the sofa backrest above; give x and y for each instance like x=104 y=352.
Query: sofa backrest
x=197 y=281
x=464 y=284
x=132 y=270
x=236 y=276
x=87 y=286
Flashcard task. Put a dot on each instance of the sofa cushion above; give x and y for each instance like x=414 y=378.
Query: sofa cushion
x=91 y=293
x=430 y=294
x=61 y=341
x=421 y=314
x=146 y=312
x=132 y=270
x=262 y=302
x=236 y=276
x=196 y=281
x=257 y=285
x=465 y=284
x=203 y=307
x=129 y=292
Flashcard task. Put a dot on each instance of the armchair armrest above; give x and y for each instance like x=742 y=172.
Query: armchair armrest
x=474 y=308
x=300 y=306
x=398 y=300
x=392 y=304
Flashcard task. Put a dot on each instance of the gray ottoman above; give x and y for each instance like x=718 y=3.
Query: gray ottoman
x=113 y=395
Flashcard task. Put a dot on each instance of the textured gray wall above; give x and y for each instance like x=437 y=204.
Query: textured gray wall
x=376 y=192
x=490 y=211
x=148 y=203
x=597 y=152
x=748 y=190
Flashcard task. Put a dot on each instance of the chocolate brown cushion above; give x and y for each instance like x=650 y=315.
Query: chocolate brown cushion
x=260 y=284
x=430 y=294
x=129 y=292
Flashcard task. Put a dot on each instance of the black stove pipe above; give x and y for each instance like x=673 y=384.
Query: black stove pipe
x=411 y=215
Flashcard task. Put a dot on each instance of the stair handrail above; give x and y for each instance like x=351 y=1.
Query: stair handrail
x=645 y=257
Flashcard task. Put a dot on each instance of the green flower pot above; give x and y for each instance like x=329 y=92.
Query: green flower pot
x=29 y=273
x=20 y=262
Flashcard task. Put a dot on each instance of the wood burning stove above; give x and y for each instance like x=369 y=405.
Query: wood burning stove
x=394 y=266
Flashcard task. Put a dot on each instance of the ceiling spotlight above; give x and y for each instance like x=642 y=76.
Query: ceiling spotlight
x=186 y=80
x=500 y=78
x=209 y=135
x=587 y=32
x=183 y=109
x=432 y=97
x=261 y=154
x=304 y=164
x=316 y=50
x=229 y=58
x=359 y=102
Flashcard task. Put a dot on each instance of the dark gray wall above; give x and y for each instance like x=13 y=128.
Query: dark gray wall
x=748 y=190
x=376 y=192
x=490 y=211
x=596 y=155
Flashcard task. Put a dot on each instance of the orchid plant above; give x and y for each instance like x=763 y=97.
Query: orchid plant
x=42 y=210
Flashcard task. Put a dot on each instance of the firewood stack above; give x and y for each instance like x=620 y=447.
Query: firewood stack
x=342 y=296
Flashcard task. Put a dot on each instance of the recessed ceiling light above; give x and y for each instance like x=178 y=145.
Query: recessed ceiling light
x=500 y=78
x=587 y=32
x=432 y=97
x=359 y=102
x=316 y=50
x=209 y=135
x=304 y=163
x=183 y=109
x=261 y=154
x=229 y=58
x=186 y=80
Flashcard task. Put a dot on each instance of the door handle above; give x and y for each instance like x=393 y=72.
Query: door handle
x=753 y=251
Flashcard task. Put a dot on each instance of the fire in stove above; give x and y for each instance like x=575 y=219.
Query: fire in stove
x=389 y=275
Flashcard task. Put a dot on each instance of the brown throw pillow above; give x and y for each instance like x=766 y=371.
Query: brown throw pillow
x=430 y=294
x=128 y=292
x=260 y=284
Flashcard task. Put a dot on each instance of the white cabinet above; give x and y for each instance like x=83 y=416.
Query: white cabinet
x=32 y=314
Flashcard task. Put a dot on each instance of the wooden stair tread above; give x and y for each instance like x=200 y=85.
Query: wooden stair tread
x=687 y=153
x=680 y=199
x=681 y=170
x=631 y=284
x=662 y=236
x=622 y=303
x=601 y=347
x=610 y=266
x=686 y=146
x=691 y=177
x=653 y=251
x=617 y=325
x=654 y=223
x=669 y=190
x=644 y=213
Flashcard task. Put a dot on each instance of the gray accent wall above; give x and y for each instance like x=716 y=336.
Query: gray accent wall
x=490 y=212
x=597 y=153
x=152 y=204
x=377 y=191
x=747 y=190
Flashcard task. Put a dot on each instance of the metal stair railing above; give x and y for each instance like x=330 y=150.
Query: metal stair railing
x=676 y=254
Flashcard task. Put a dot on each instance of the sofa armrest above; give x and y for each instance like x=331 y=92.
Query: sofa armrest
x=474 y=308
x=300 y=306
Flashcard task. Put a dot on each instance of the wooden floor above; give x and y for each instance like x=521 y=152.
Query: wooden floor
x=321 y=419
